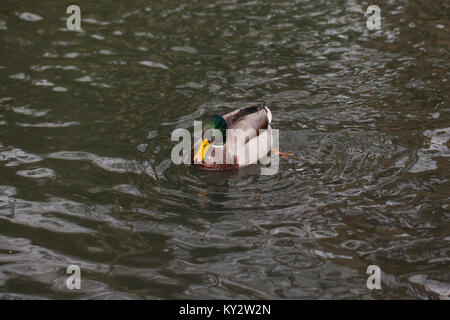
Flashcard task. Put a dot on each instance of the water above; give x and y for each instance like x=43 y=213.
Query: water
x=86 y=176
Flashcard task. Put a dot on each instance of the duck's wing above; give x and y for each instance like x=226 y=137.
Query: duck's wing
x=255 y=139
x=254 y=117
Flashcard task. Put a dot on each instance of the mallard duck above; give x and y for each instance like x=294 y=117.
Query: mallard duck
x=249 y=140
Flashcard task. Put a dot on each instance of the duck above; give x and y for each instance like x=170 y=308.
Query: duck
x=248 y=141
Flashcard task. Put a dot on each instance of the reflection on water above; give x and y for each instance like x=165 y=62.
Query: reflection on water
x=86 y=176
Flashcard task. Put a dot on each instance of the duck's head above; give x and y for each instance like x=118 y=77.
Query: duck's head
x=214 y=133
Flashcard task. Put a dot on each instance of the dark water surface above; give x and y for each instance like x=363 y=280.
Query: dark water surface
x=85 y=170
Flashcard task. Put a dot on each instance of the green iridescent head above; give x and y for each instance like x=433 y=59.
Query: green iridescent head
x=213 y=128
x=218 y=124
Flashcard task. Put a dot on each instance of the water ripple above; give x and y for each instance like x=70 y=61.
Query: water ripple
x=86 y=175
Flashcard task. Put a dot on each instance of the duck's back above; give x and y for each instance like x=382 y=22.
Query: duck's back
x=254 y=117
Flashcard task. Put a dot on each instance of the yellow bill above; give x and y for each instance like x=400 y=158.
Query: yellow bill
x=201 y=152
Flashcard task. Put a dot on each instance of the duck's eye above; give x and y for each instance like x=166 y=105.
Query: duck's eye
x=217 y=139
x=214 y=136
